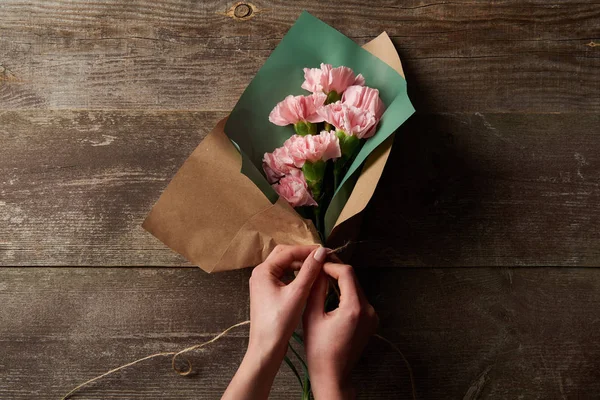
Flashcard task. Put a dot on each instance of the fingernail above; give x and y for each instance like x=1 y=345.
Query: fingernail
x=321 y=254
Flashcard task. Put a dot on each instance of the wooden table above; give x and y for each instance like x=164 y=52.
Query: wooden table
x=499 y=171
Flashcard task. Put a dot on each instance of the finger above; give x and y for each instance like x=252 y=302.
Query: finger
x=350 y=292
x=310 y=270
x=315 y=306
x=282 y=257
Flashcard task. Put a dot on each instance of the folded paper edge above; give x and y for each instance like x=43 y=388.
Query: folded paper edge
x=175 y=221
x=383 y=48
x=248 y=239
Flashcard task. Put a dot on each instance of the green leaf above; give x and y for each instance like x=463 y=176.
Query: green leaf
x=298 y=338
x=306 y=389
x=306 y=384
x=294 y=370
x=299 y=357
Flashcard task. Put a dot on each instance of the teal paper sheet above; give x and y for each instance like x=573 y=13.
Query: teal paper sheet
x=308 y=43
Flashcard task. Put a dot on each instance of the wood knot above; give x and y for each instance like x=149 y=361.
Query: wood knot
x=242 y=11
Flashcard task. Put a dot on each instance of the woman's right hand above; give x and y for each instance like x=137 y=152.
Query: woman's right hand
x=335 y=340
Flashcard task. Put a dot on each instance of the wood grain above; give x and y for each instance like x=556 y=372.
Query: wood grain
x=488 y=189
x=101 y=102
x=508 y=56
x=487 y=333
x=459 y=189
x=497 y=333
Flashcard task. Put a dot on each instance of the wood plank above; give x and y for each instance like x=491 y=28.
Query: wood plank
x=468 y=333
x=79 y=184
x=459 y=190
x=459 y=57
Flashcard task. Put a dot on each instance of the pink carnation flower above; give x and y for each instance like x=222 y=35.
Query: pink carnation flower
x=327 y=78
x=294 y=189
x=294 y=109
x=350 y=119
x=365 y=98
x=277 y=164
x=313 y=148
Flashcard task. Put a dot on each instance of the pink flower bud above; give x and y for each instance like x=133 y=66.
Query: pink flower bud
x=294 y=189
x=327 y=79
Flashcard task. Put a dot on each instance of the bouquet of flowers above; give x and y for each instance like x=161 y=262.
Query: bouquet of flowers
x=331 y=124
x=297 y=159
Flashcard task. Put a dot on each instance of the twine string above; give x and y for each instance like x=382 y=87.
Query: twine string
x=179 y=354
x=175 y=355
x=199 y=346
x=410 y=371
x=188 y=371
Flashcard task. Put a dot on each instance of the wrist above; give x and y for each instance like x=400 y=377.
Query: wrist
x=328 y=386
x=265 y=357
x=332 y=390
x=255 y=376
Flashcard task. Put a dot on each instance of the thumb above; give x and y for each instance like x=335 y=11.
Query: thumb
x=310 y=270
x=315 y=306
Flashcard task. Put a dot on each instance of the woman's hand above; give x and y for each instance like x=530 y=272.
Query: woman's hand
x=275 y=312
x=276 y=308
x=334 y=341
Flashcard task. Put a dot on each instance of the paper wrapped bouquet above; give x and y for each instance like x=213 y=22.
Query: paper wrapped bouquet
x=313 y=130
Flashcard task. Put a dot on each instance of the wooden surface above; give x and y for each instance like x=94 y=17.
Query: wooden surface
x=460 y=189
x=499 y=167
x=468 y=333
x=101 y=102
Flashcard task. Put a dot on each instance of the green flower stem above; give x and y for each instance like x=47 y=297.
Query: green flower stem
x=306 y=389
x=338 y=173
x=306 y=384
x=314 y=174
x=294 y=370
x=320 y=222
x=296 y=336
x=349 y=146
